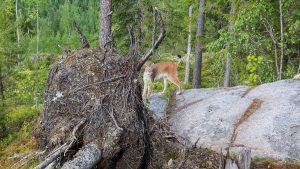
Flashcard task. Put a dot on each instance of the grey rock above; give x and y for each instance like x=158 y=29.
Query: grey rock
x=158 y=105
x=272 y=130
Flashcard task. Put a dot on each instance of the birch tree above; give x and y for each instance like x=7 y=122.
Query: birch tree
x=188 y=53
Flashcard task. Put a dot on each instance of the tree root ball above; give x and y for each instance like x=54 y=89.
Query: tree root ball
x=102 y=88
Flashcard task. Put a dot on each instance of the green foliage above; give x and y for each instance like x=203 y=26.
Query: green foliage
x=254 y=63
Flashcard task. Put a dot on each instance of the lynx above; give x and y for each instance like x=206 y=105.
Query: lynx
x=162 y=70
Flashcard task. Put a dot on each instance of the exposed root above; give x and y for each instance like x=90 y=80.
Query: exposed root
x=86 y=158
x=255 y=105
x=62 y=149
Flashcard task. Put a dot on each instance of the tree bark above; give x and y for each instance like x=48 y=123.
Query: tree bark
x=281 y=41
x=199 y=46
x=227 y=72
x=188 y=53
x=86 y=158
x=244 y=159
x=228 y=59
x=105 y=35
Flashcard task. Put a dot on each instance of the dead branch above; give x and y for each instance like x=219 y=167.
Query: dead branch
x=186 y=153
x=86 y=158
x=156 y=42
x=132 y=49
x=62 y=149
x=114 y=120
x=84 y=41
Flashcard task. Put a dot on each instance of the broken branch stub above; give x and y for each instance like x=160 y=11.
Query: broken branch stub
x=132 y=49
x=155 y=42
x=84 y=41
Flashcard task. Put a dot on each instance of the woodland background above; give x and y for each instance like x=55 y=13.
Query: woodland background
x=248 y=34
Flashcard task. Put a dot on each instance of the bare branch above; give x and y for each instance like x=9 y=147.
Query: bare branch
x=132 y=49
x=84 y=41
x=62 y=149
x=156 y=43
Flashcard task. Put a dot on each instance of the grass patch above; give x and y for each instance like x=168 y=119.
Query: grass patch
x=17 y=147
x=268 y=162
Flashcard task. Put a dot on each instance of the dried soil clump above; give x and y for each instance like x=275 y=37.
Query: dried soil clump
x=100 y=87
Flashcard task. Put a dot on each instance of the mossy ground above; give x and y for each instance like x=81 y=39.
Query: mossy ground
x=21 y=152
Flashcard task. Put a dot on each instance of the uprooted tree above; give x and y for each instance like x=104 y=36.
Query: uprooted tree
x=93 y=114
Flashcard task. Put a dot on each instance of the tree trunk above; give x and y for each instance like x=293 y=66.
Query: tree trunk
x=188 y=53
x=281 y=40
x=199 y=46
x=228 y=59
x=105 y=35
x=18 y=34
x=227 y=72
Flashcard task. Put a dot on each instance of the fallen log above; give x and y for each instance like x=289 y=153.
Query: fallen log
x=87 y=158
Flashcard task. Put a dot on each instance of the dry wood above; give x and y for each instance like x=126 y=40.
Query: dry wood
x=132 y=49
x=62 y=149
x=244 y=159
x=84 y=41
x=156 y=42
x=85 y=158
x=230 y=164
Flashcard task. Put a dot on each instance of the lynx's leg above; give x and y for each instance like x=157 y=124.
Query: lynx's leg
x=165 y=84
x=176 y=81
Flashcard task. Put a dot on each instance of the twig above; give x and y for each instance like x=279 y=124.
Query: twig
x=84 y=41
x=132 y=49
x=115 y=121
x=102 y=82
x=187 y=153
x=156 y=43
x=74 y=138
x=62 y=149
